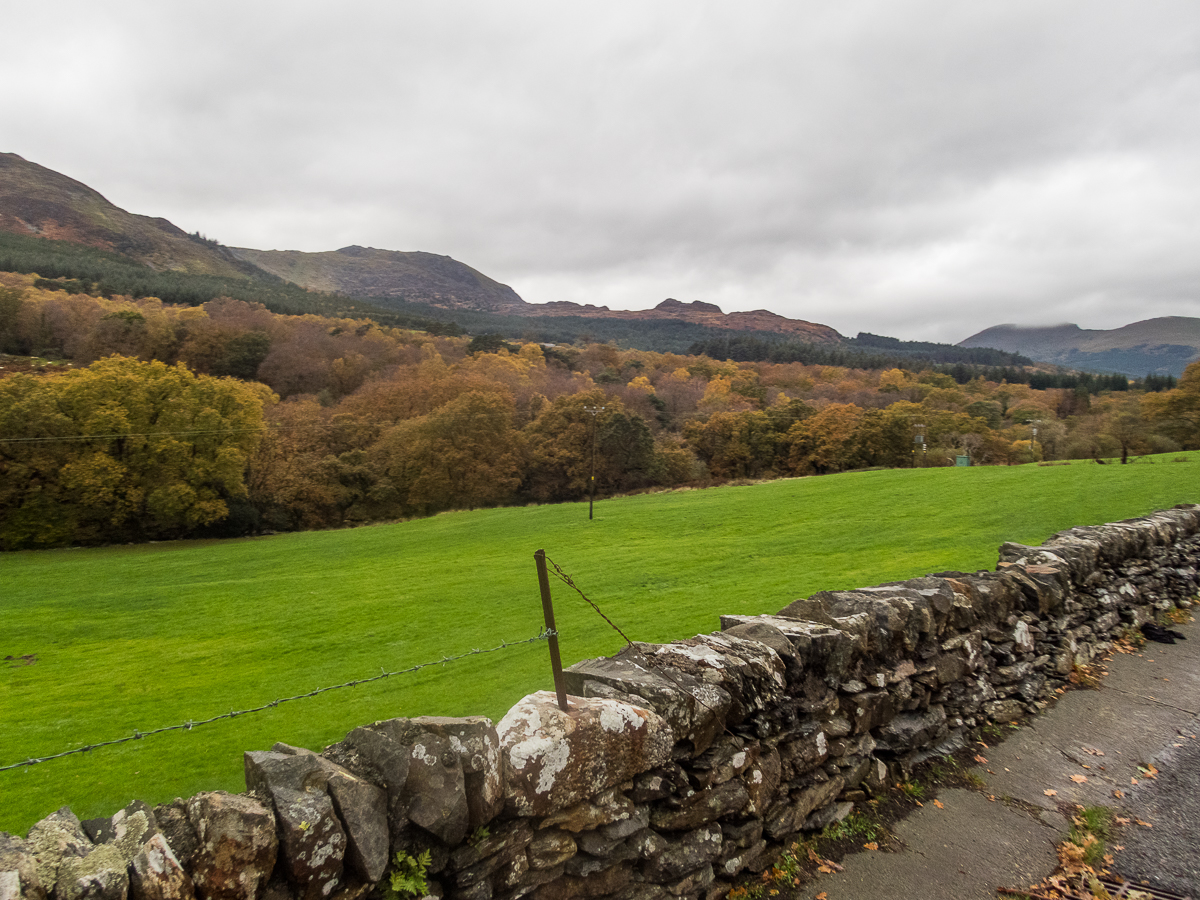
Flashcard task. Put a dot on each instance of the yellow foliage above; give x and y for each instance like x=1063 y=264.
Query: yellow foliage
x=642 y=383
x=124 y=448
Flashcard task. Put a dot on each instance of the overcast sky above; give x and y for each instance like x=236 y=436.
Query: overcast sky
x=917 y=169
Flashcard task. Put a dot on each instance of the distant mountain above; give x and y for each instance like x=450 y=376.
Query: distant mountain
x=390 y=274
x=1163 y=346
x=697 y=313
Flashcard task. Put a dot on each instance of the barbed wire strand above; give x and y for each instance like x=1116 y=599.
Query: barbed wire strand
x=650 y=664
x=569 y=582
x=137 y=735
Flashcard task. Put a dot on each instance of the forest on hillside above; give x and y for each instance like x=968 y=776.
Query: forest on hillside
x=165 y=420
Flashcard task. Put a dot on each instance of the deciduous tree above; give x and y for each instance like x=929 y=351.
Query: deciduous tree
x=123 y=450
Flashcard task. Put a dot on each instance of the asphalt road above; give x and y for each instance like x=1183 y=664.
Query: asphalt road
x=1167 y=854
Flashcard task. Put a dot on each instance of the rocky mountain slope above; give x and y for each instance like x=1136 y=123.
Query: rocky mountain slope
x=1162 y=346
x=38 y=201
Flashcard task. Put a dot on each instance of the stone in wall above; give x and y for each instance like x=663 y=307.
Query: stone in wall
x=236 y=846
x=831 y=651
x=360 y=807
x=54 y=840
x=172 y=819
x=18 y=865
x=500 y=857
x=694 y=711
x=156 y=874
x=312 y=844
x=751 y=673
x=442 y=774
x=555 y=759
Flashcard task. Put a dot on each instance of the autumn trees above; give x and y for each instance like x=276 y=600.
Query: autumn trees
x=1177 y=412
x=122 y=450
x=228 y=416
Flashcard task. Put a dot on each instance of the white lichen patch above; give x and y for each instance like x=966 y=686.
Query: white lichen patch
x=821 y=745
x=524 y=717
x=420 y=754
x=555 y=759
x=617 y=717
x=702 y=654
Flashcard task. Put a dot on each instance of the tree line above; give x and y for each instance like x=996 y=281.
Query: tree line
x=167 y=420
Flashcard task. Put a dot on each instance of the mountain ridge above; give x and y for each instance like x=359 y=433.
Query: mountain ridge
x=38 y=201
x=1161 y=346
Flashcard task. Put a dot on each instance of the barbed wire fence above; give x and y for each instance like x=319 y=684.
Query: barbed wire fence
x=546 y=634
x=138 y=735
x=660 y=667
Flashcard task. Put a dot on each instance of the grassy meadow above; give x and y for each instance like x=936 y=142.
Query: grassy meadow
x=139 y=637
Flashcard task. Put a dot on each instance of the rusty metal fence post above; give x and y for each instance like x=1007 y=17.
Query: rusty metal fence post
x=539 y=557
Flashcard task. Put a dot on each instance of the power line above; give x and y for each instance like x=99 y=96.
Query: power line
x=68 y=438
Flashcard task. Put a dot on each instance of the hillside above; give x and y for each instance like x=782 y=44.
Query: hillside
x=389 y=274
x=1162 y=346
x=38 y=201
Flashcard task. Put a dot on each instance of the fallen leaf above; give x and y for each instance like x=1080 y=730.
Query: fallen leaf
x=1121 y=820
x=822 y=896
x=1143 y=824
x=1133 y=781
x=1050 y=793
x=992 y=797
x=1079 y=779
x=982 y=744
x=979 y=759
x=938 y=804
x=871 y=846
x=1118 y=793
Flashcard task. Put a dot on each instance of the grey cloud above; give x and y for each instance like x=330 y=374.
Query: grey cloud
x=919 y=168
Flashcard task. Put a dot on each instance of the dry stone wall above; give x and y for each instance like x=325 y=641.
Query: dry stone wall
x=677 y=768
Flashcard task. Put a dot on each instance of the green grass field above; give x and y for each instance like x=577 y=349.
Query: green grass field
x=140 y=637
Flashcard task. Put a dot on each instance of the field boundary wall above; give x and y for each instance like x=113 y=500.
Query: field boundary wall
x=677 y=769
